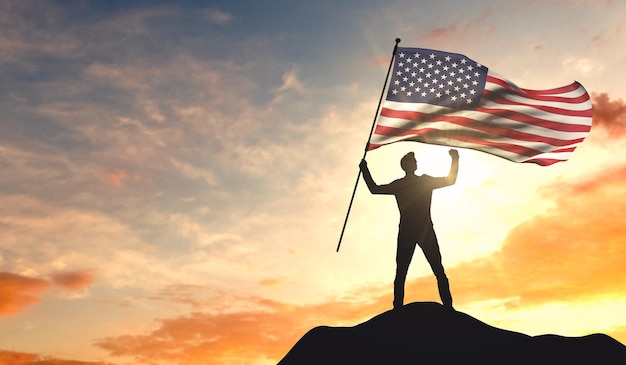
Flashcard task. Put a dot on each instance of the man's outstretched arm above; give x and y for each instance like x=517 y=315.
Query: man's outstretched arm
x=369 y=181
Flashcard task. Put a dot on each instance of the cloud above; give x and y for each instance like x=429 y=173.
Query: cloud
x=263 y=335
x=609 y=115
x=217 y=16
x=582 y=66
x=270 y=282
x=291 y=83
x=442 y=34
x=41 y=237
x=19 y=292
x=463 y=30
x=73 y=280
x=116 y=177
x=194 y=172
x=23 y=358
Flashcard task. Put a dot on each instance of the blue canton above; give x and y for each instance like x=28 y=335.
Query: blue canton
x=434 y=77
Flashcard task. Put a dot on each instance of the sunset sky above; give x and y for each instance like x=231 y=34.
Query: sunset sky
x=175 y=176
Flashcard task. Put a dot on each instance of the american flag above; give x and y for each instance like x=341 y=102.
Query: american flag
x=448 y=99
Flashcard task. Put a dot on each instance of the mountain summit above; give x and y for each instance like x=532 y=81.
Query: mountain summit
x=430 y=333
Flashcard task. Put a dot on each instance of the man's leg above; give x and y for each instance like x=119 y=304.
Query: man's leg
x=430 y=247
x=404 y=254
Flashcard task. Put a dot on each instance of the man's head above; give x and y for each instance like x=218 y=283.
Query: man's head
x=408 y=163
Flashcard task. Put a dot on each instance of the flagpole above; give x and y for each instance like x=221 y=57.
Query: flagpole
x=358 y=176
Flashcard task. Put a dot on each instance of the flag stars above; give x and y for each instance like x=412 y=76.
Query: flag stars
x=447 y=78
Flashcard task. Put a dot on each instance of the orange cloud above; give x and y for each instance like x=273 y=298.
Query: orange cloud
x=18 y=292
x=461 y=32
x=182 y=294
x=267 y=332
x=73 y=280
x=21 y=358
x=116 y=178
x=270 y=282
x=380 y=61
x=609 y=115
x=442 y=34
x=119 y=178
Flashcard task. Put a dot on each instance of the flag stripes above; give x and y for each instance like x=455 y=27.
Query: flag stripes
x=521 y=125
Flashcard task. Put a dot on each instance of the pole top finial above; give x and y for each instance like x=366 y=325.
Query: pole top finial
x=397 y=40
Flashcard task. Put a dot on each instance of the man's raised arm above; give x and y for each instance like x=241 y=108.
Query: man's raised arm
x=454 y=166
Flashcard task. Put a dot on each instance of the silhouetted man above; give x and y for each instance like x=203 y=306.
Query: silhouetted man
x=414 y=194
